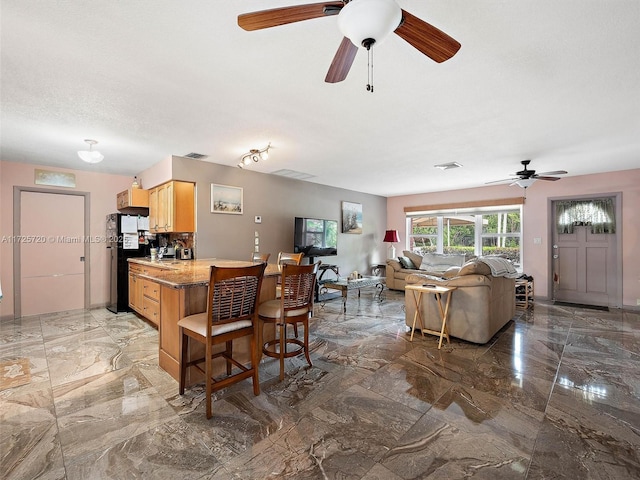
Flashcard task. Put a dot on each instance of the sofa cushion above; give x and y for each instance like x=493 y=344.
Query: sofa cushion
x=451 y=272
x=422 y=278
x=407 y=263
x=415 y=258
x=475 y=267
x=438 y=263
x=394 y=263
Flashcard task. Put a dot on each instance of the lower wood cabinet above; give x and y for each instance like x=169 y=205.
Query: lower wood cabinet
x=135 y=292
x=144 y=294
x=151 y=301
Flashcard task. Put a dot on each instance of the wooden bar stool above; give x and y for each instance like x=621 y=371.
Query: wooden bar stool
x=294 y=306
x=231 y=313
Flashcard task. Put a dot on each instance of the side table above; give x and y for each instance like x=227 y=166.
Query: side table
x=378 y=269
x=524 y=292
x=437 y=290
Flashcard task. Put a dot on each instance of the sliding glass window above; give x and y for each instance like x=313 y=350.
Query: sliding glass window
x=478 y=231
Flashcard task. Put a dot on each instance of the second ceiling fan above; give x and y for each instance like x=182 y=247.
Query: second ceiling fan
x=362 y=22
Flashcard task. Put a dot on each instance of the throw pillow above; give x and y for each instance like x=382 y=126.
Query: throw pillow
x=407 y=263
x=415 y=258
x=451 y=272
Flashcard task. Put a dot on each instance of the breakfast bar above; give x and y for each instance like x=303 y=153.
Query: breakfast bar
x=164 y=291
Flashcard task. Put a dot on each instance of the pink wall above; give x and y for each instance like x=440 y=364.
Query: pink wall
x=536 y=221
x=103 y=188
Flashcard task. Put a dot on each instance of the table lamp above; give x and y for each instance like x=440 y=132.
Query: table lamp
x=391 y=236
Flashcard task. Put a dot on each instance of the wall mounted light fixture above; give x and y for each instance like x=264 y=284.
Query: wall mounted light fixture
x=91 y=155
x=254 y=155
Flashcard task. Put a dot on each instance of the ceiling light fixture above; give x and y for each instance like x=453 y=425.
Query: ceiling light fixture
x=524 y=182
x=91 y=155
x=368 y=22
x=254 y=155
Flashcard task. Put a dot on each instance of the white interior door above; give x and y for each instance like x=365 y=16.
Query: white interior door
x=52 y=255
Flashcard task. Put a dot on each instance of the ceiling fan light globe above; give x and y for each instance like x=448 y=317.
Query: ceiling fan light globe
x=524 y=182
x=91 y=156
x=369 y=19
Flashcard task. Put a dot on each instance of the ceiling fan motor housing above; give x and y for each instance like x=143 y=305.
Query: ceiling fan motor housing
x=362 y=21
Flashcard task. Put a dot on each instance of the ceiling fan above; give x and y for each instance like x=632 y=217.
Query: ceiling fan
x=525 y=177
x=362 y=22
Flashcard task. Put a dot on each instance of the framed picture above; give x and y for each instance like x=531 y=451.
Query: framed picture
x=55 y=179
x=351 y=217
x=226 y=199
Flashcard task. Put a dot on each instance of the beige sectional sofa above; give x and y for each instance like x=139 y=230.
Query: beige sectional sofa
x=481 y=304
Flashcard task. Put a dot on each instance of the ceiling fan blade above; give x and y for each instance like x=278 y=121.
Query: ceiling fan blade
x=555 y=172
x=342 y=61
x=284 y=15
x=434 y=43
x=500 y=181
x=541 y=177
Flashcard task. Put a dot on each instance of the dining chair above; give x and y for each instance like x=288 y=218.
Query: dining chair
x=294 y=306
x=232 y=306
x=260 y=257
x=291 y=258
x=287 y=258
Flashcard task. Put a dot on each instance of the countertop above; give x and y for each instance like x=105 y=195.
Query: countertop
x=191 y=273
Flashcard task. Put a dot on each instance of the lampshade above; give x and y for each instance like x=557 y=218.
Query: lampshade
x=91 y=155
x=364 y=19
x=391 y=236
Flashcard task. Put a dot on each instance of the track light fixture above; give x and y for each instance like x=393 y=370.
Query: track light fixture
x=254 y=155
x=91 y=155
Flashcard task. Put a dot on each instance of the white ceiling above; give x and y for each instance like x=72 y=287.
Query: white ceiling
x=554 y=81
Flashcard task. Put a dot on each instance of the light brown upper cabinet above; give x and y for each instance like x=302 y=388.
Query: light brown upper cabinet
x=172 y=207
x=133 y=198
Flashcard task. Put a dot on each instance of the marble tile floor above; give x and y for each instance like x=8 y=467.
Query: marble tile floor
x=555 y=394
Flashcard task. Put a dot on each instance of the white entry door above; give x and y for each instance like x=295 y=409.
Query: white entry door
x=52 y=260
x=585 y=267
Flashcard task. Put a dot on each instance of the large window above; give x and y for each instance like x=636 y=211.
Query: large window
x=477 y=231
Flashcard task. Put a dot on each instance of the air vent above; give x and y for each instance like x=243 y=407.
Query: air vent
x=448 y=166
x=196 y=156
x=292 y=174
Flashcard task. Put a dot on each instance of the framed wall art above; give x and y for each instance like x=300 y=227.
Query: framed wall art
x=54 y=179
x=351 y=217
x=226 y=199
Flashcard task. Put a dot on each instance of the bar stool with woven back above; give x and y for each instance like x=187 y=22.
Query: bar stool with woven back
x=285 y=258
x=260 y=257
x=294 y=306
x=232 y=308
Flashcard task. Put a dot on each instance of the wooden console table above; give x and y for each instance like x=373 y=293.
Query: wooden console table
x=437 y=290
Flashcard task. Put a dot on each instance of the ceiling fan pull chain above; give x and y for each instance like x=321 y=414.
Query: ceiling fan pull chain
x=370 y=68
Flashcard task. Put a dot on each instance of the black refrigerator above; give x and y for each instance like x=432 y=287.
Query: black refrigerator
x=121 y=245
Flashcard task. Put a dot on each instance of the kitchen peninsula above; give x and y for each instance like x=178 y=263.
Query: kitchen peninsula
x=164 y=291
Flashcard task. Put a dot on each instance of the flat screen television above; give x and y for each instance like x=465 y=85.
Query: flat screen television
x=316 y=237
